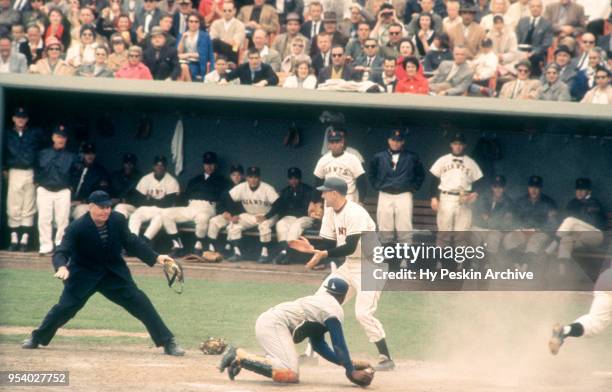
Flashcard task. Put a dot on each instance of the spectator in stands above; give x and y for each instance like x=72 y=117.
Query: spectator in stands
x=517 y=11
x=425 y=34
x=89 y=177
x=166 y=24
x=98 y=69
x=134 y=68
x=330 y=26
x=386 y=20
x=349 y=27
x=453 y=19
x=322 y=59
x=123 y=186
x=371 y=62
x=11 y=61
x=535 y=36
x=602 y=92
x=286 y=7
x=54 y=171
x=108 y=19
x=83 y=51
x=522 y=87
x=566 y=16
x=391 y=47
x=435 y=21
x=568 y=74
x=297 y=54
x=452 y=77
x=387 y=79
x=221 y=70
x=62 y=5
x=485 y=67
x=8 y=15
x=339 y=69
x=254 y=72
x=605 y=41
x=587 y=42
x=268 y=55
x=413 y=82
x=179 y=19
x=33 y=47
x=282 y=42
x=228 y=211
x=211 y=10
x=35 y=15
x=553 y=89
x=354 y=48
x=22 y=143
x=505 y=46
x=596 y=58
x=259 y=16
x=302 y=77
x=52 y=63
x=161 y=59
x=146 y=18
x=313 y=27
x=469 y=33
x=123 y=27
x=498 y=8
x=195 y=50
x=18 y=36
x=84 y=16
x=119 y=56
x=228 y=33
x=439 y=51
x=58 y=27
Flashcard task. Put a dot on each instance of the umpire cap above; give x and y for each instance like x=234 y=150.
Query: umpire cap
x=336 y=286
x=100 y=198
x=209 y=157
x=535 y=181
x=294 y=172
x=583 y=183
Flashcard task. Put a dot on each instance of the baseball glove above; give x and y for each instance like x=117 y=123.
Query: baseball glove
x=213 y=346
x=301 y=245
x=174 y=273
x=363 y=378
x=360 y=364
x=207 y=257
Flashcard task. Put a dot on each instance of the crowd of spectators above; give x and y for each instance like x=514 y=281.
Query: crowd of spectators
x=555 y=50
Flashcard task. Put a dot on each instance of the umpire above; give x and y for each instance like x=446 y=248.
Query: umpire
x=89 y=260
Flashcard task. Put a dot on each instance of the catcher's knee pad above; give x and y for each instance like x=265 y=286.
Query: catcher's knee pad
x=285 y=376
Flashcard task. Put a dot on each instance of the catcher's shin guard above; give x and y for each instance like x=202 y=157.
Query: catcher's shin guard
x=262 y=366
x=285 y=376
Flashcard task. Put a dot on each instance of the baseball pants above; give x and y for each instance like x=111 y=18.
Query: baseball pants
x=52 y=207
x=21 y=198
x=576 y=234
x=492 y=238
x=276 y=340
x=215 y=225
x=599 y=315
x=452 y=216
x=125 y=209
x=534 y=241
x=290 y=228
x=153 y=215
x=245 y=222
x=79 y=210
x=394 y=215
x=198 y=211
x=366 y=302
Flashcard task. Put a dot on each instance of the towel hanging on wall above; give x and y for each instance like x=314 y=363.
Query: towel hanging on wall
x=176 y=147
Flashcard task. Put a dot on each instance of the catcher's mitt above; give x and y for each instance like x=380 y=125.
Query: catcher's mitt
x=213 y=346
x=363 y=378
x=301 y=245
x=174 y=273
x=360 y=364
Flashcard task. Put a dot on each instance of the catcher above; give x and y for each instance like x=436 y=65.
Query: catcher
x=89 y=260
x=281 y=327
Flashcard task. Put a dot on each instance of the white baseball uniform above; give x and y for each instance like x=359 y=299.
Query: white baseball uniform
x=456 y=174
x=21 y=198
x=154 y=189
x=338 y=225
x=600 y=314
x=577 y=234
x=345 y=166
x=274 y=328
x=255 y=202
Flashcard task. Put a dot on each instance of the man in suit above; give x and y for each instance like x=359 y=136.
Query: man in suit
x=268 y=55
x=522 y=87
x=354 y=48
x=371 y=62
x=314 y=26
x=254 y=72
x=179 y=20
x=33 y=47
x=338 y=69
x=468 y=34
x=146 y=18
x=386 y=79
x=228 y=33
x=11 y=61
x=605 y=42
x=259 y=16
x=453 y=77
x=566 y=17
x=282 y=41
x=323 y=58
x=89 y=260
x=535 y=34
x=160 y=58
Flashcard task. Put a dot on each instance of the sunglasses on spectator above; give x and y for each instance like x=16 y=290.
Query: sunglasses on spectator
x=53 y=49
x=337 y=54
x=523 y=70
x=134 y=56
x=369 y=46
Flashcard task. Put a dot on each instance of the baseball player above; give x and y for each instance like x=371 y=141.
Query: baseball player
x=395 y=173
x=292 y=210
x=337 y=162
x=155 y=191
x=256 y=198
x=281 y=327
x=90 y=177
x=228 y=210
x=343 y=223
x=22 y=144
x=123 y=185
x=453 y=194
x=54 y=172
x=202 y=193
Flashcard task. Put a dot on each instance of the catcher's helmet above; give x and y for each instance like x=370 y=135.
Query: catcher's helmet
x=336 y=286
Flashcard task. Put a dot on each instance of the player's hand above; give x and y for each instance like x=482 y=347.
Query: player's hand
x=471 y=197
x=260 y=218
x=161 y=259
x=235 y=219
x=434 y=204
x=227 y=216
x=315 y=259
x=62 y=273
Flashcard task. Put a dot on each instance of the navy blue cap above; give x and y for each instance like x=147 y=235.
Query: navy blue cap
x=536 y=181
x=20 y=112
x=60 y=130
x=88 y=148
x=334 y=184
x=100 y=198
x=253 y=171
x=294 y=172
x=397 y=135
x=458 y=137
x=128 y=157
x=336 y=286
x=499 y=181
x=335 y=136
x=237 y=168
x=583 y=183
x=160 y=159
x=209 y=157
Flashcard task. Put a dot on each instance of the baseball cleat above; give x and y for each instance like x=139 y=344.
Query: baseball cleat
x=30 y=343
x=13 y=247
x=229 y=355
x=172 y=348
x=385 y=365
x=234 y=258
x=263 y=259
x=233 y=370
x=556 y=340
x=280 y=258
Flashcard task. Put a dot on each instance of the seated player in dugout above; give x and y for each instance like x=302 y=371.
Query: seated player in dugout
x=278 y=330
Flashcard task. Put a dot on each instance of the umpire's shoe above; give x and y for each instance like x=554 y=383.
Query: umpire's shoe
x=385 y=365
x=556 y=340
x=172 y=348
x=30 y=343
x=228 y=357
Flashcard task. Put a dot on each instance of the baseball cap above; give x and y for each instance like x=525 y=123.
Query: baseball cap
x=336 y=286
x=458 y=137
x=60 y=130
x=129 y=157
x=160 y=159
x=397 y=135
x=583 y=183
x=20 y=112
x=100 y=198
x=294 y=172
x=209 y=157
x=536 y=181
x=237 y=168
x=335 y=136
x=253 y=171
x=334 y=184
x=88 y=148
x=499 y=181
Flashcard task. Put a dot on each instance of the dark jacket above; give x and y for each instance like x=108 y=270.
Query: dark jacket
x=495 y=217
x=55 y=169
x=535 y=215
x=21 y=151
x=162 y=63
x=348 y=73
x=434 y=58
x=243 y=72
x=24 y=48
x=96 y=179
x=88 y=261
x=407 y=176
x=292 y=202
x=210 y=189
x=124 y=187
x=541 y=38
x=378 y=79
x=587 y=210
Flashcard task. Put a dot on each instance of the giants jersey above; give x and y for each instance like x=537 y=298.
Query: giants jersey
x=316 y=308
x=255 y=202
x=345 y=166
x=456 y=173
x=150 y=187
x=351 y=219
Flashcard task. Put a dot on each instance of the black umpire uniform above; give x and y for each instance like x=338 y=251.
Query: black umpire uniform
x=92 y=255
